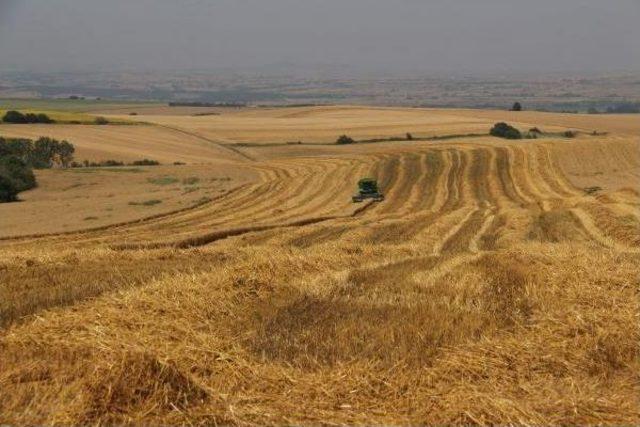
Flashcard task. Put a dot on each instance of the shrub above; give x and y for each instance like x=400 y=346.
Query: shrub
x=43 y=118
x=101 y=121
x=14 y=117
x=503 y=130
x=110 y=163
x=15 y=176
x=592 y=190
x=146 y=203
x=516 y=107
x=535 y=130
x=409 y=137
x=569 y=134
x=344 y=139
x=17 y=117
x=145 y=162
x=163 y=180
x=8 y=190
x=18 y=147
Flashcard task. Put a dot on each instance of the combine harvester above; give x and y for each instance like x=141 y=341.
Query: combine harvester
x=368 y=189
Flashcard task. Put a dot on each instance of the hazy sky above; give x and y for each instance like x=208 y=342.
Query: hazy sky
x=408 y=36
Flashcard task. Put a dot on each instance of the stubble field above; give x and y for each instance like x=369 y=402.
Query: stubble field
x=497 y=283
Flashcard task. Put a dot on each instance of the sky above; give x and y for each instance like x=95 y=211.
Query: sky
x=391 y=36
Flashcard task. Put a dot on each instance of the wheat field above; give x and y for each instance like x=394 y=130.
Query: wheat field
x=497 y=283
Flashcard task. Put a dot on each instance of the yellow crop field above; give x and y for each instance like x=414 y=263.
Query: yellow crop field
x=127 y=143
x=497 y=283
x=317 y=124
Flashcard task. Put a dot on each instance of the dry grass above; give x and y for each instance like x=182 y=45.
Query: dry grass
x=127 y=143
x=64 y=198
x=488 y=288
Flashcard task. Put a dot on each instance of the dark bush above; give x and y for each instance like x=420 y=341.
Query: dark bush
x=17 y=117
x=516 y=107
x=535 y=130
x=344 y=139
x=409 y=137
x=18 y=147
x=145 y=162
x=43 y=118
x=8 y=190
x=110 y=163
x=503 y=130
x=569 y=134
x=101 y=121
x=14 y=117
x=15 y=176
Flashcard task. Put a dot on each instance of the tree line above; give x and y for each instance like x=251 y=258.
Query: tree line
x=18 y=158
x=17 y=117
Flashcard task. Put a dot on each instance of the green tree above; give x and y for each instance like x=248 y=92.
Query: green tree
x=503 y=130
x=15 y=176
x=18 y=147
x=65 y=153
x=13 y=116
x=516 y=107
x=44 y=152
x=8 y=190
x=43 y=118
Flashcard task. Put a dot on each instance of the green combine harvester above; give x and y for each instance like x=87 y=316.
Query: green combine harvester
x=368 y=189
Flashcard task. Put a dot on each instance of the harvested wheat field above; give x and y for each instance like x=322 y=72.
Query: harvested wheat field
x=497 y=283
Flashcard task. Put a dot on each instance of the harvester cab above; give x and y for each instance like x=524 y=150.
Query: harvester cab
x=368 y=189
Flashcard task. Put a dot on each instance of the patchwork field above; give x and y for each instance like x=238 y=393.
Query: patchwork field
x=497 y=283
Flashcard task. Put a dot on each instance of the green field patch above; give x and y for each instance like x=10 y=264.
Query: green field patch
x=94 y=170
x=163 y=180
x=191 y=180
x=152 y=202
x=188 y=190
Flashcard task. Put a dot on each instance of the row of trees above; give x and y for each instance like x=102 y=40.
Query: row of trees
x=18 y=158
x=20 y=118
x=44 y=153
